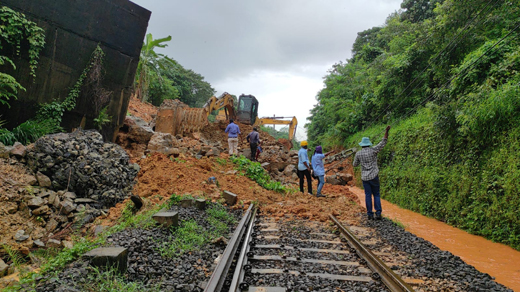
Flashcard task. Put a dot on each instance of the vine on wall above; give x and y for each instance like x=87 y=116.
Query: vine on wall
x=15 y=29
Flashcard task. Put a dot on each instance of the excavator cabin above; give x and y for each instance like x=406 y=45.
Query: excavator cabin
x=247 y=109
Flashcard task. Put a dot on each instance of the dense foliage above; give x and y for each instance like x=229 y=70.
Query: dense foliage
x=160 y=77
x=445 y=74
x=17 y=36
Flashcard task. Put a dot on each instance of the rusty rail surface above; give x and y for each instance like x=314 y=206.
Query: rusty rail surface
x=389 y=278
x=219 y=275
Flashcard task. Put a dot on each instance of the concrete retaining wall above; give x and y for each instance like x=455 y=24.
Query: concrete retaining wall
x=73 y=29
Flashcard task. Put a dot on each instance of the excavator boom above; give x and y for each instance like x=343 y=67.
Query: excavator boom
x=293 y=123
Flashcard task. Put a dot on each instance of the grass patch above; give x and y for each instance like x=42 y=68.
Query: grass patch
x=190 y=236
x=187 y=237
x=256 y=172
x=109 y=280
x=398 y=223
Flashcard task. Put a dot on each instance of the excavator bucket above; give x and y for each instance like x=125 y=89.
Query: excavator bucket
x=175 y=117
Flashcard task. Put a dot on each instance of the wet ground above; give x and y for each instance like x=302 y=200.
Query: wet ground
x=498 y=260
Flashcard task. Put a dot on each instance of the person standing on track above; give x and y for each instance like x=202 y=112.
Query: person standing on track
x=253 y=139
x=304 y=169
x=367 y=158
x=319 y=169
x=233 y=131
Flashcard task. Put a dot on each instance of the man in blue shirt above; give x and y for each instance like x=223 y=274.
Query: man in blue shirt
x=233 y=131
x=304 y=169
x=319 y=168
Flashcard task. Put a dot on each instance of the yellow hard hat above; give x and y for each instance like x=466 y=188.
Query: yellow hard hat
x=303 y=143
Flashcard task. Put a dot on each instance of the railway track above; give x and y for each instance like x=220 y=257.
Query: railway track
x=264 y=255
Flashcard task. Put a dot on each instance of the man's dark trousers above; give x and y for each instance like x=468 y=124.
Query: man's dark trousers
x=372 y=188
x=305 y=173
x=253 y=147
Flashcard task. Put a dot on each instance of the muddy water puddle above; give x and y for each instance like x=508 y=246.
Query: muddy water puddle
x=498 y=260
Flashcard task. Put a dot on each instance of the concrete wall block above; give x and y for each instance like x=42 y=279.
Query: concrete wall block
x=200 y=204
x=231 y=199
x=108 y=256
x=186 y=203
x=73 y=29
x=167 y=219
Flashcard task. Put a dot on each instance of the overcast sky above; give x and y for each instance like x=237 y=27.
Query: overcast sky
x=277 y=50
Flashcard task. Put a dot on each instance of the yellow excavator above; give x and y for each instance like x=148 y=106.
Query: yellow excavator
x=176 y=117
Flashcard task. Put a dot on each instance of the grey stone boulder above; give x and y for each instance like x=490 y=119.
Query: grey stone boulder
x=140 y=134
x=20 y=236
x=160 y=141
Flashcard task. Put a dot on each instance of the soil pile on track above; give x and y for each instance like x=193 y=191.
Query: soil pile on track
x=160 y=177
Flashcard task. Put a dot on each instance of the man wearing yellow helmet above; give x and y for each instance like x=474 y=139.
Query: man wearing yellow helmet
x=304 y=170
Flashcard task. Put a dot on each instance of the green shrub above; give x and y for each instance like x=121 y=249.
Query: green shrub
x=256 y=172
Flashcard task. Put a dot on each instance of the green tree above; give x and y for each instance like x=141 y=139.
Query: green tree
x=150 y=65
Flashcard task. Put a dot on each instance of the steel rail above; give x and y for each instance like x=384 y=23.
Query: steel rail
x=389 y=278
x=219 y=275
x=238 y=276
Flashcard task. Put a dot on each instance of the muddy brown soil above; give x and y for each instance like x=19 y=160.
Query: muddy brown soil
x=160 y=177
x=16 y=181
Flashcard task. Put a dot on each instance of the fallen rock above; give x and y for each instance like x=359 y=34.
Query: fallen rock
x=4 y=151
x=42 y=210
x=140 y=134
x=289 y=170
x=220 y=241
x=67 y=244
x=66 y=207
x=38 y=243
x=36 y=202
x=18 y=150
x=53 y=243
x=3 y=268
x=43 y=180
x=138 y=202
x=20 y=236
x=52 y=224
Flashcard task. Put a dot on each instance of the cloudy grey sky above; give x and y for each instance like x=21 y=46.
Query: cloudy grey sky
x=276 y=50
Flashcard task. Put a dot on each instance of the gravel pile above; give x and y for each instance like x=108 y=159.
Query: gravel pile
x=82 y=163
x=187 y=272
x=449 y=271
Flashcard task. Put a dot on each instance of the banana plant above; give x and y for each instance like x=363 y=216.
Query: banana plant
x=150 y=64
